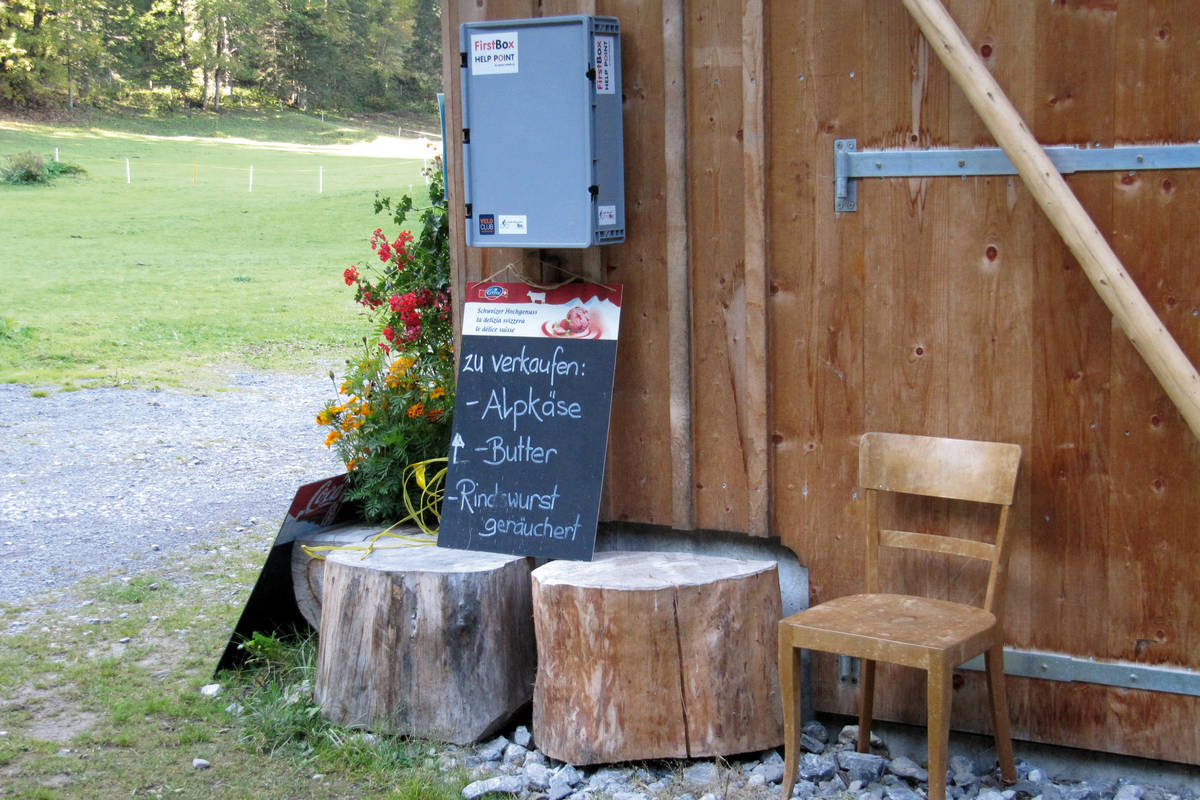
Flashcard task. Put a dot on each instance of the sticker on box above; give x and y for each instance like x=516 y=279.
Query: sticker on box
x=605 y=45
x=494 y=53
x=513 y=224
x=606 y=215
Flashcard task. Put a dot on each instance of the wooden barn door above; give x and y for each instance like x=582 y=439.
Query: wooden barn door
x=949 y=306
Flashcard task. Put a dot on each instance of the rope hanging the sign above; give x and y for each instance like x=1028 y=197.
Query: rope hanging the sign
x=512 y=268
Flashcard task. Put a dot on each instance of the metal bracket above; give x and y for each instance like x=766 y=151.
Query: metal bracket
x=845 y=196
x=849 y=670
x=849 y=164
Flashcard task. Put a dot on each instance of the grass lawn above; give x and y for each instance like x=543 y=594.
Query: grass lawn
x=100 y=698
x=191 y=265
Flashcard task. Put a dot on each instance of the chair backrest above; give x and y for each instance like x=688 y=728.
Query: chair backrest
x=955 y=469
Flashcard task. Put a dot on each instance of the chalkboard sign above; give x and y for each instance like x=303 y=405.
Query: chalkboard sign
x=531 y=419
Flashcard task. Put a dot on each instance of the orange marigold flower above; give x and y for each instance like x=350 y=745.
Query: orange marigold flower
x=416 y=410
x=437 y=392
x=435 y=414
x=333 y=436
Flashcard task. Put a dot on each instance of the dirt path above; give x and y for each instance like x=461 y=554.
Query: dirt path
x=100 y=479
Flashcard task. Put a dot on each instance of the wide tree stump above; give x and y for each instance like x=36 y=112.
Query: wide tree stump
x=656 y=655
x=308 y=572
x=425 y=641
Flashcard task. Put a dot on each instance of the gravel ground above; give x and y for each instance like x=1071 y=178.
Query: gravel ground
x=103 y=479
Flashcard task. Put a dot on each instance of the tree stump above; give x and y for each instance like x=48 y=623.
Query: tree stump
x=425 y=641
x=308 y=572
x=656 y=655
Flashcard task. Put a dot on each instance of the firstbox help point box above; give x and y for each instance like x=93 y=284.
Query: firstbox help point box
x=542 y=147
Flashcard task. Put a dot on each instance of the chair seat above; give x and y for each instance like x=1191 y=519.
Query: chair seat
x=899 y=628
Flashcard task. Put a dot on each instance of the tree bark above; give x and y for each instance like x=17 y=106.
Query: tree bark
x=308 y=573
x=425 y=641
x=656 y=655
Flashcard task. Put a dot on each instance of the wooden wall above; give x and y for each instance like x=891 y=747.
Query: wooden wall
x=763 y=333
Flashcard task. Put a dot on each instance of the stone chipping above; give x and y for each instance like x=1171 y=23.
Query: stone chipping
x=836 y=771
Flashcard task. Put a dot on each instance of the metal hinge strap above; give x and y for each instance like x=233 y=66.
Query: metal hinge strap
x=1124 y=674
x=850 y=164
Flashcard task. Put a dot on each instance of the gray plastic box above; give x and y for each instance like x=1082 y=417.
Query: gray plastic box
x=543 y=162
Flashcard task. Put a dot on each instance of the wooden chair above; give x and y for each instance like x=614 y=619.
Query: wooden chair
x=934 y=635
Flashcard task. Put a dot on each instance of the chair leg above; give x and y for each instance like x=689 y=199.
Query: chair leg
x=866 y=704
x=940 y=685
x=789 y=690
x=994 y=660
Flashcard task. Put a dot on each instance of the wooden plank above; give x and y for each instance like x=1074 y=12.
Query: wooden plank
x=716 y=194
x=1074 y=73
x=642 y=460
x=990 y=313
x=638 y=472
x=754 y=171
x=817 y=302
x=949 y=545
x=904 y=336
x=1148 y=724
x=990 y=317
x=679 y=318
x=1141 y=723
x=791 y=224
x=1153 y=562
x=1155 y=465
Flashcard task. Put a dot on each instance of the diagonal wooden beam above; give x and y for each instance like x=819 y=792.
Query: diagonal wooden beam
x=1143 y=327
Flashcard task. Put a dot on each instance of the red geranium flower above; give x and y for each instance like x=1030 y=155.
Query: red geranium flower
x=351 y=275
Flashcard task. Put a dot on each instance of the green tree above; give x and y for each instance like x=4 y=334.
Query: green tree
x=76 y=43
x=48 y=46
x=158 y=47
x=423 y=55
x=16 y=63
x=349 y=54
